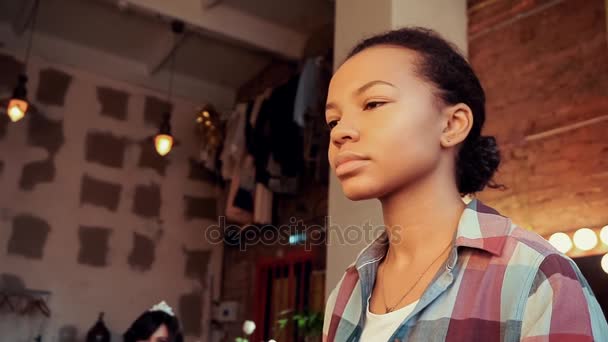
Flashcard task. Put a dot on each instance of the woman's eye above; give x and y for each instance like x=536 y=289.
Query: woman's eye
x=373 y=105
x=332 y=124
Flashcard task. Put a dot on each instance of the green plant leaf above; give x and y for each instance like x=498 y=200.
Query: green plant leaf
x=282 y=322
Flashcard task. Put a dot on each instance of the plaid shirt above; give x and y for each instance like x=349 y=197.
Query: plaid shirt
x=500 y=283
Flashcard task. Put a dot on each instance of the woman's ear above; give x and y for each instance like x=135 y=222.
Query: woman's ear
x=457 y=123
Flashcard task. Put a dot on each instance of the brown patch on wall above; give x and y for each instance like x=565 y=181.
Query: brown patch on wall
x=105 y=148
x=149 y=159
x=94 y=246
x=68 y=333
x=114 y=103
x=10 y=68
x=200 y=207
x=11 y=282
x=146 y=202
x=1 y=167
x=143 y=253
x=45 y=133
x=154 y=109
x=191 y=313
x=199 y=173
x=197 y=262
x=53 y=87
x=37 y=172
x=99 y=193
x=28 y=237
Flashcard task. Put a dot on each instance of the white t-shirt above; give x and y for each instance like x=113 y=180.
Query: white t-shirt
x=380 y=327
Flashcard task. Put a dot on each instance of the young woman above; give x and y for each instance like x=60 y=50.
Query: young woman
x=159 y=324
x=406 y=113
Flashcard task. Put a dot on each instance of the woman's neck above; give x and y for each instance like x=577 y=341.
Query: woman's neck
x=421 y=220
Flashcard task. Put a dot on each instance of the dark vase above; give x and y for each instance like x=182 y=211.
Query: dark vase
x=99 y=332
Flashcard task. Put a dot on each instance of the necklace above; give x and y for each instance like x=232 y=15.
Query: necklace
x=392 y=308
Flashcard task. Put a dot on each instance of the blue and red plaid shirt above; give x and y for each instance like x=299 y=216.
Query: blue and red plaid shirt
x=500 y=283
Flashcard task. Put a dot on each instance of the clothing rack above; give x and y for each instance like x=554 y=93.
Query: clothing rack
x=25 y=302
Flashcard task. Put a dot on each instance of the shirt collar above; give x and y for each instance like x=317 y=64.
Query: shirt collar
x=480 y=227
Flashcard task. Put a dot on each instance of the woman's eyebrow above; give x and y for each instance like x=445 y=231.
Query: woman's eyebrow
x=331 y=105
x=371 y=84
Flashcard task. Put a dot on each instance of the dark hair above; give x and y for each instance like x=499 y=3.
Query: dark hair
x=146 y=324
x=442 y=65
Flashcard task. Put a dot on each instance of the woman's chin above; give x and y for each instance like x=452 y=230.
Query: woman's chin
x=359 y=190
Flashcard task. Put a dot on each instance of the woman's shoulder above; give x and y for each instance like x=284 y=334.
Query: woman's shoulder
x=526 y=250
x=532 y=240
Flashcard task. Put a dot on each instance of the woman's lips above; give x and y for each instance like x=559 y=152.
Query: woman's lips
x=347 y=162
x=350 y=166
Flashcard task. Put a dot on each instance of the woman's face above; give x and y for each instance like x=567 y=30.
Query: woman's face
x=160 y=335
x=386 y=123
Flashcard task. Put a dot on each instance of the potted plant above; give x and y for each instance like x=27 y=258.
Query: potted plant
x=308 y=324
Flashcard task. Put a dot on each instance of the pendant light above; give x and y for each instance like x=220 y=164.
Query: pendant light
x=18 y=104
x=163 y=141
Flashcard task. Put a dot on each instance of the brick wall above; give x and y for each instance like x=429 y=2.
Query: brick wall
x=544 y=65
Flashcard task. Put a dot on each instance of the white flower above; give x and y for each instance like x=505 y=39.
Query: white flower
x=272 y=341
x=162 y=306
x=248 y=327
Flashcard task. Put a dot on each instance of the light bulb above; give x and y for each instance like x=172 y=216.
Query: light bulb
x=561 y=241
x=163 y=143
x=16 y=109
x=605 y=263
x=604 y=235
x=585 y=239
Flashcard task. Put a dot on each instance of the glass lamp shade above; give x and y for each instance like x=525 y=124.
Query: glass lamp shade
x=163 y=143
x=16 y=109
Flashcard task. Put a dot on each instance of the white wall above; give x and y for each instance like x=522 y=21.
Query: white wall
x=448 y=17
x=355 y=20
x=79 y=292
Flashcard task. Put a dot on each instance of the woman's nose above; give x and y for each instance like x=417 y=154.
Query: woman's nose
x=343 y=133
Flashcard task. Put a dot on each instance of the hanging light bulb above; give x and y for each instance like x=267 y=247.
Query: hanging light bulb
x=604 y=263
x=18 y=104
x=163 y=141
x=585 y=239
x=561 y=241
x=604 y=235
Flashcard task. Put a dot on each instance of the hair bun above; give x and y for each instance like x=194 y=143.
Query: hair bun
x=477 y=161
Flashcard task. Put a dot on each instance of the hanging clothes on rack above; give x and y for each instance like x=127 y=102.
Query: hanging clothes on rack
x=234 y=143
x=239 y=205
x=307 y=94
x=262 y=203
x=262 y=213
x=276 y=135
x=316 y=135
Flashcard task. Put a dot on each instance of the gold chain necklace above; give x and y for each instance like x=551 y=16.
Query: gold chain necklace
x=391 y=308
